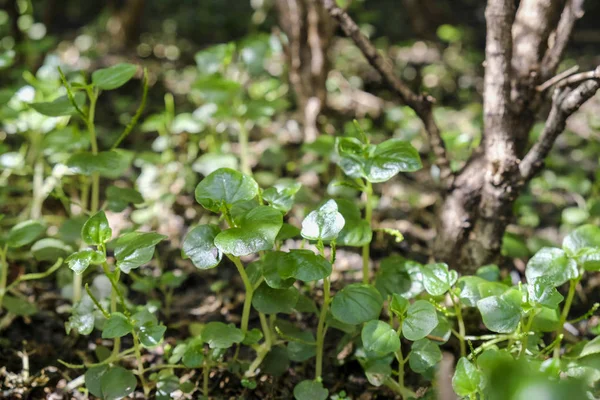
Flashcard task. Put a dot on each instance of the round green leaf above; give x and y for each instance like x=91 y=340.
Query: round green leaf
x=106 y=163
x=421 y=319
x=117 y=383
x=584 y=244
x=193 y=356
x=258 y=230
x=543 y=292
x=324 y=223
x=113 y=77
x=79 y=261
x=305 y=265
x=225 y=187
x=466 y=379
x=119 y=198
x=377 y=372
x=199 y=246
x=135 y=249
x=393 y=277
x=96 y=230
x=356 y=303
x=116 y=326
x=469 y=290
x=272 y=301
x=553 y=264
x=424 y=355
x=390 y=158
x=501 y=313
x=24 y=233
x=281 y=195
x=50 y=249
x=310 y=390
x=437 y=279
x=380 y=338
x=221 y=336
x=272 y=264
x=151 y=334
x=93 y=378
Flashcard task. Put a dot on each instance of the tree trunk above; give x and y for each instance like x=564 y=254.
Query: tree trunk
x=309 y=30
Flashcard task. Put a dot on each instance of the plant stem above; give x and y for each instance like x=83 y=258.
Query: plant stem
x=205 y=371
x=321 y=328
x=249 y=292
x=526 y=331
x=140 y=363
x=94 y=143
x=3 y=273
x=262 y=350
x=565 y=313
x=368 y=217
x=461 y=326
x=243 y=139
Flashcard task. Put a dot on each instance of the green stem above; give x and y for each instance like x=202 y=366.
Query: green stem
x=526 y=332
x=137 y=114
x=565 y=313
x=3 y=273
x=461 y=326
x=321 y=328
x=243 y=139
x=368 y=217
x=205 y=371
x=400 y=359
x=249 y=292
x=263 y=349
x=140 y=363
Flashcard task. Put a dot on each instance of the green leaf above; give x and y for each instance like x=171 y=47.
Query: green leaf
x=199 y=246
x=377 y=372
x=421 y=319
x=502 y=313
x=253 y=336
x=310 y=390
x=394 y=277
x=221 y=336
x=271 y=264
x=113 y=77
x=325 y=223
x=281 y=195
x=543 y=292
x=437 y=279
x=116 y=326
x=424 y=355
x=356 y=303
x=356 y=232
x=93 y=378
x=210 y=60
x=466 y=379
x=272 y=301
x=24 y=233
x=553 y=264
x=584 y=244
x=276 y=363
x=96 y=230
x=135 y=249
x=82 y=317
x=305 y=265
x=376 y=163
x=591 y=347
x=151 y=334
x=546 y=320
x=105 y=163
x=469 y=290
x=224 y=188
x=379 y=337
x=18 y=306
x=399 y=305
x=117 y=383
x=50 y=249
x=119 y=198
x=59 y=107
x=258 y=230
x=79 y=261
x=194 y=355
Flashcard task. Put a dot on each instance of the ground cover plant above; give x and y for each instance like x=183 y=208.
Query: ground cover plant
x=247 y=220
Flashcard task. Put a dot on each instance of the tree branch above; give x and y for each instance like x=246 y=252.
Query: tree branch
x=566 y=100
x=572 y=12
x=421 y=104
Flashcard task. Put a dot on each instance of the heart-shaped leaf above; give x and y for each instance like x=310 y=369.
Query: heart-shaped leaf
x=258 y=230
x=272 y=301
x=281 y=195
x=116 y=326
x=119 y=198
x=424 y=355
x=356 y=232
x=224 y=188
x=82 y=259
x=135 y=249
x=325 y=223
x=356 y=303
x=117 y=383
x=310 y=390
x=421 y=319
x=466 y=379
x=113 y=77
x=221 y=336
x=305 y=265
x=199 y=246
x=553 y=264
x=379 y=337
x=96 y=230
x=437 y=279
x=501 y=313
x=469 y=290
x=272 y=264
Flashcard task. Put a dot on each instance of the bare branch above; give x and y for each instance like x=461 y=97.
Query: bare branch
x=582 y=76
x=421 y=104
x=572 y=12
x=557 y=78
x=566 y=101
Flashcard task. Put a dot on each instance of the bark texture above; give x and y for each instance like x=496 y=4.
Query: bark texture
x=524 y=47
x=309 y=30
